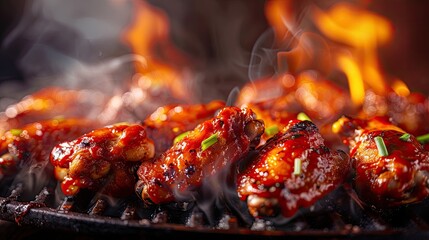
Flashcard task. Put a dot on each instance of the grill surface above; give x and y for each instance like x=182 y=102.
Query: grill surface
x=335 y=217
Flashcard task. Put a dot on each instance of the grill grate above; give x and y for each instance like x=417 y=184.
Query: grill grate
x=86 y=213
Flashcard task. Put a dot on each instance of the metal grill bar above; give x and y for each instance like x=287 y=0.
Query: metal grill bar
x=98 y=208
x=136 y=218
x=66 y=205
x=129 y=212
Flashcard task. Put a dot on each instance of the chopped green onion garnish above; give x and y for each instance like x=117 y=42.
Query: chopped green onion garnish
x=121 y=123
x=180 y=137
x=302 y=116
x=209 y=141
x=59 y=118
x=423 y=138
x=405 y=137
x=297 y=166
x=15 y=132
x=382 y=150
x=272 y=130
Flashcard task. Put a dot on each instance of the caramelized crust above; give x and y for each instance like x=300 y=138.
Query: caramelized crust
x=399 y=178
x=273 y=183
x=169 y=121
x=103 y=160
x=177 y=173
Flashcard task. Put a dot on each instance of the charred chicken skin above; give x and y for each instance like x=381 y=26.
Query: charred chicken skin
x=30 y=145
x=168 y=122
x=103 y=160
x=397 y=175
x=293 y=170
x=212 y=147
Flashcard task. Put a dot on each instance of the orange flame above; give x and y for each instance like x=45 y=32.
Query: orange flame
x=347 y=39
x=148 y=36
x=306 y=50
x=363 y=31
x=149 y=25
x=400 y=88
x=354 y=77
x=278 y=12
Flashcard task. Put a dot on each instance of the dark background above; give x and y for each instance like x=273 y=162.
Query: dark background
x=218 y=35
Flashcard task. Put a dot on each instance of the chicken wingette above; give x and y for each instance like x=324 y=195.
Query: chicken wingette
x=391 y=167
x=104 y=160
x=211 y=148
x=293 y=170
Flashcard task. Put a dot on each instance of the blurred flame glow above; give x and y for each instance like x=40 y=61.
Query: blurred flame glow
x=363 y=31
x=349 y=24
x=343 y=36
x=277 y=12
x=354 y=77
x=148 y=36
x=400 y=88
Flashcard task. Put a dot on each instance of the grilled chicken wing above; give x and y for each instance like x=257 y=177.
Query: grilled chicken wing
x=397 y=177
x=209 y=149
x=274 y=121
x=30 y=145
x=167 y=122
x=279 y=100
x=103 y=160
x=410 y=112
x=319 y=98
x=294 y=169
x=49 y=103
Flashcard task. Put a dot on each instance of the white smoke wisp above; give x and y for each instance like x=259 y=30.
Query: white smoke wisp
x=59 y=41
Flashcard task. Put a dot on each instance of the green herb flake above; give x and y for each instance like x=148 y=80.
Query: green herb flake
x=15 y=132
x=180 y=137
x=423 y=138
x=297 y=166
x=302 y=116
x=405 y=137
x=272 y=130
x=209 y=141
x=382 y=150
x=60 y=118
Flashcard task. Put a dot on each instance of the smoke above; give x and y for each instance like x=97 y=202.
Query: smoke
x=293 y=43
x=70 y=44
x=218 y=195
x=218 y=37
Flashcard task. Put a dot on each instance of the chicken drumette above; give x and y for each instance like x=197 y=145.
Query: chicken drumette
x=391 y=167
x=30 y=145
x=293 y=170
x=211 y=148
x=103 y=160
